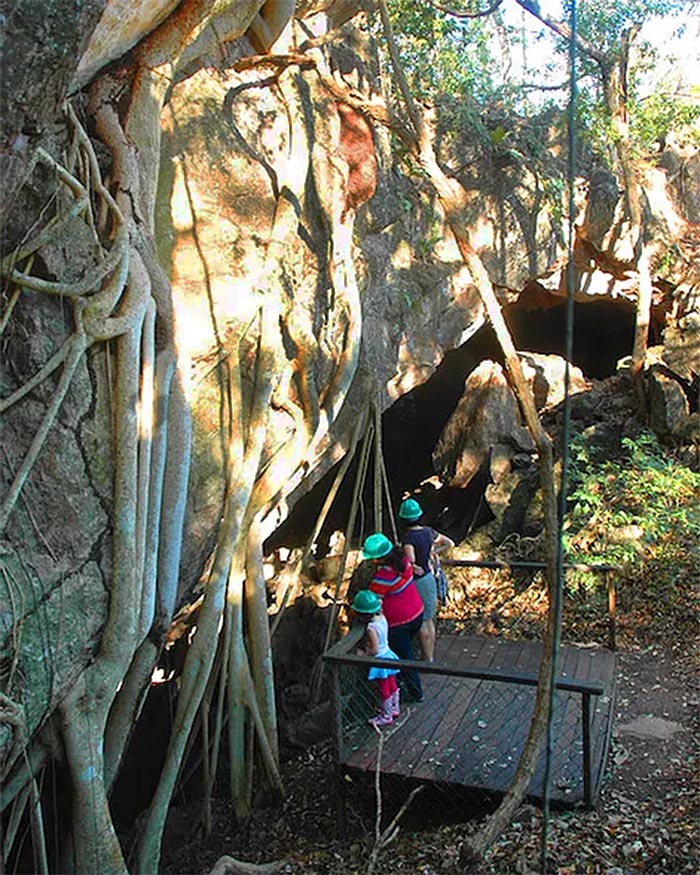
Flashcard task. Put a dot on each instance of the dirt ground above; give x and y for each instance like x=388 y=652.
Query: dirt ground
x=647 y=819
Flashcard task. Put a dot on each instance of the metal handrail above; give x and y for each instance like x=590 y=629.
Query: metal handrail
x=339 y=655
x=516 y=563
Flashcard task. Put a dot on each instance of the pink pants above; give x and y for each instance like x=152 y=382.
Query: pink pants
x=386 y=686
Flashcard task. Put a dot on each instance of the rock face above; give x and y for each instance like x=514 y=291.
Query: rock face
x=53 y=593
x=668 y=404
x=42 y=42
x=487 y=431
x=228 y=148
x=370 y=296
x=353 y=268
x=487 y=419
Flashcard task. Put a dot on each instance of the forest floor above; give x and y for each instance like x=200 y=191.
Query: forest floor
x=647 y=819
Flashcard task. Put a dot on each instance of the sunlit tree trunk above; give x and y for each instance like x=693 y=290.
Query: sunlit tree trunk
x=615 y=87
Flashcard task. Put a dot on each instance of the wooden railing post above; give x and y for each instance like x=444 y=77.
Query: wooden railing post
x=610 y=582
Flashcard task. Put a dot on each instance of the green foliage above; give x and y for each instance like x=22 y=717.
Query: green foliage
x=433 y=232
x=654 y=109
x=663 y=113
x=603 y=23
x=554 y=196
x=498 y=135
x=593 y=124
x=639 y=510
x=445 y=55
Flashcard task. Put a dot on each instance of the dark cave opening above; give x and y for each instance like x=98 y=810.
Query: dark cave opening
x=410 y=430
x=603 y=334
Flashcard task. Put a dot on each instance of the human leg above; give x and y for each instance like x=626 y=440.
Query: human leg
x=427 y=589
x=400 y=638
x=394 y=699
x=385 y=716
x=385 y=687
x=426 y=639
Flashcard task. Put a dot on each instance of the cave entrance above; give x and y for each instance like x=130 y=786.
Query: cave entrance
x=603 y=329
x=411 y=427
x=410 y=430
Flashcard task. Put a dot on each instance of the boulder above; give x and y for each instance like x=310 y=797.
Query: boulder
x=486 y=429
x=510 y=495
x=547 y=375
x=487 y=422
x=486 y=417
x=668 y=404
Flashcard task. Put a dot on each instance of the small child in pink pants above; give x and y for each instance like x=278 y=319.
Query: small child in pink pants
x=368 y=608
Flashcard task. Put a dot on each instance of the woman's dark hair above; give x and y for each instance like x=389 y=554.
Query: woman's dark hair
x=397 y=558
x=405 y=525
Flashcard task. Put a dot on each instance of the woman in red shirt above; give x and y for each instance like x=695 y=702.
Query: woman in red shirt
x=393 y=582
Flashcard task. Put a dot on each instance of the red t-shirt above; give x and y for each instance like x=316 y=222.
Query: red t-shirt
x=400 y=600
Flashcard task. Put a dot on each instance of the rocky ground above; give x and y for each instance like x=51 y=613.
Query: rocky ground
x=647 y=819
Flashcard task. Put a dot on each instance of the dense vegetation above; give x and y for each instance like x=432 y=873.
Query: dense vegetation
x=639 y=509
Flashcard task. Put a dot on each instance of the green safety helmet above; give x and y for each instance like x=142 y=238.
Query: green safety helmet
x=410 y=510
x=376 y=546
x=366 y=602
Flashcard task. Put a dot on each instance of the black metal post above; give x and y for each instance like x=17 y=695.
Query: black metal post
x=587 y=777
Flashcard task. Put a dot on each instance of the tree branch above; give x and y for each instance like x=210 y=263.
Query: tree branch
x=253 y=62
x=459 y=13
x=563 y=30
x=413 y=113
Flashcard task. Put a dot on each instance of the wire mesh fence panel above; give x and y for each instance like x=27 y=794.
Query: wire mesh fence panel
x=469 y=731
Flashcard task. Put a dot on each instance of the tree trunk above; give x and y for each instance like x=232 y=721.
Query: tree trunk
x=453 y=199
x=615 y=87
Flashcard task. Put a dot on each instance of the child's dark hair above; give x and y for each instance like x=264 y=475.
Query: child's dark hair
x=397 y=558
x=405 y=525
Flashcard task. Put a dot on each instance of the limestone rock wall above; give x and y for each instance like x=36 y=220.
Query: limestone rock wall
x=230 y=146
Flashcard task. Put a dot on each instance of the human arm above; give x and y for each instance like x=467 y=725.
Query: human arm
x=442 y=542
x=371 y=642
x=410 y=551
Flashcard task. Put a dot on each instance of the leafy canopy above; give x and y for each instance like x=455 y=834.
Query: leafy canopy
x=444 y=55
x=603 y=24
x=511 y=60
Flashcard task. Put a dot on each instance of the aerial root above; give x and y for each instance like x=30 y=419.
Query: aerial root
x=11 y=714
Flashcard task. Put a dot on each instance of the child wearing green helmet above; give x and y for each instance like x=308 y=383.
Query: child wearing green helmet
x=392 y=581
x=368 y=609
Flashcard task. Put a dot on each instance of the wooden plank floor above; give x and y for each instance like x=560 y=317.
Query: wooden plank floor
x=470 y=732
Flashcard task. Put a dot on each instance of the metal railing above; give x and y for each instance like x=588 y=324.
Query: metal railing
x=351 y=710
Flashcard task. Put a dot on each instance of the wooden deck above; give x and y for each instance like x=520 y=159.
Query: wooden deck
x=469 y=731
